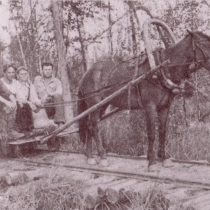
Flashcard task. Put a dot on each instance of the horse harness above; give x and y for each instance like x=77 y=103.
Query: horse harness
x=165 y=73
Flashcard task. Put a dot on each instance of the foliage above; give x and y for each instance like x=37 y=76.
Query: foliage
x=24 y=41
x=186 y=15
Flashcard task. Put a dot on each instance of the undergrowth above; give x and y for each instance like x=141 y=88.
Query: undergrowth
x=54 y=192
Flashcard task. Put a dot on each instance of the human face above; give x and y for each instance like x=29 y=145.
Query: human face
x=23 y=76
x=47 y=71
x=10 y=74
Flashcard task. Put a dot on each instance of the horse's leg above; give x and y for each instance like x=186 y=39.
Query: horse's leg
x=162 y=117
x=90 y=159
x=151 y=116
x=95 y=118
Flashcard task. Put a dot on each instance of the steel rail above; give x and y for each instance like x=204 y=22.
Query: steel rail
x=142 y=176
x=193 y=162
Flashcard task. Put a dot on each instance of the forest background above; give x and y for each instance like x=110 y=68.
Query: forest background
x=74 y=34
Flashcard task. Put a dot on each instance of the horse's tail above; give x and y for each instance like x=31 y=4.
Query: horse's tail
x=82 y=123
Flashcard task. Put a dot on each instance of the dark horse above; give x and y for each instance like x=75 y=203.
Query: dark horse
x=153 y=95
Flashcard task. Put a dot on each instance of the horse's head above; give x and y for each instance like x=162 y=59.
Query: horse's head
x=201 y=49
x=188 y=55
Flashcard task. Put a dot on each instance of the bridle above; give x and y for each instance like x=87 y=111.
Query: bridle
x=192 y=66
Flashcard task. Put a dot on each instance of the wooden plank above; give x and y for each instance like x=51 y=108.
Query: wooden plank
x=26 y=141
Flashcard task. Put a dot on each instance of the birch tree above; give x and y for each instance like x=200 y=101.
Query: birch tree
x=62 y=64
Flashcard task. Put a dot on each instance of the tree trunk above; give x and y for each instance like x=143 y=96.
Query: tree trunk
x=62 y=63
x=110 y=30
x=133 y=33
x=82 y=37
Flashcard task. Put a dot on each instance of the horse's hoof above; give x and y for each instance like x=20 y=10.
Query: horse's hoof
x=91 y=161
x=153 y=168
x=104 y=162
x=168 y=163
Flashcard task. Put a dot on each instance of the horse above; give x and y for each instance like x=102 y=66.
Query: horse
x=152 y=94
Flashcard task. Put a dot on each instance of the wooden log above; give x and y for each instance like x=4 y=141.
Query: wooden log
x=20 y=177
x=90 y=202
x=112 y=193
x=101 y=192
x=125 y=196
x=93 y=190
x=91 y=194
x=16 y=178
x=101 y=103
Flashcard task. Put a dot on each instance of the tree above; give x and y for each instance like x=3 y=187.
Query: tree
x=62 y=64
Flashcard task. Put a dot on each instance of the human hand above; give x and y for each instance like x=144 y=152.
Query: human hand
x=24 y=101
x=39 y=104
x=33 y=106
x=20 y=103
x=10 y=104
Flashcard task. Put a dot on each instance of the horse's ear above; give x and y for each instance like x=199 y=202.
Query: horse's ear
x=189 y=32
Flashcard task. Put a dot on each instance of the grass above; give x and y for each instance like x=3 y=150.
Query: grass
x=54 y=192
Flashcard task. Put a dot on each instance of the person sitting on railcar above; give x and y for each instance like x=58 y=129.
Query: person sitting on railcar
x=8 y=86
x=49 y=90
x=27 y=101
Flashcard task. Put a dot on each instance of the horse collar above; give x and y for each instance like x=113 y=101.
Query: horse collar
x=167 y=82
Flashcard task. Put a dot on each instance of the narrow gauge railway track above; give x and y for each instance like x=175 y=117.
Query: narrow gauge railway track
x=131 y=175
x=194 y=162
x=145 y=177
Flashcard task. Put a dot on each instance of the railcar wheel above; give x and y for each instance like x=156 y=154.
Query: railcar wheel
x=54 y=144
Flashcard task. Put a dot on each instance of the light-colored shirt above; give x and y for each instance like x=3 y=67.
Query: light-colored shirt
x=23 y=91
x=45 y=87
x=11 y=86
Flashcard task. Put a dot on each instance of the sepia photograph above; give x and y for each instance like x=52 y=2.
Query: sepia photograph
x=105 y=105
